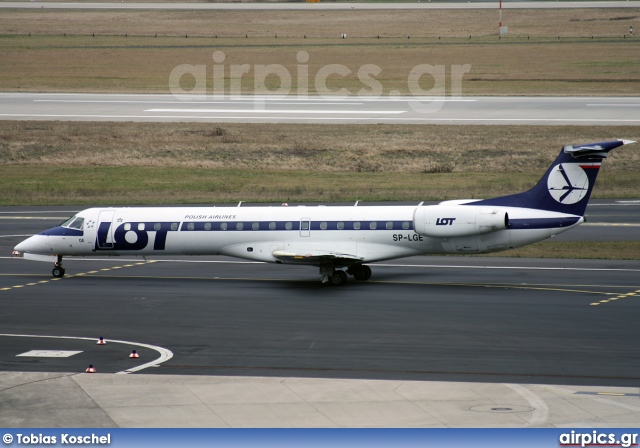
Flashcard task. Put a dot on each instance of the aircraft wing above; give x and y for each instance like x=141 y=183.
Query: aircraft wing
x=315 y=257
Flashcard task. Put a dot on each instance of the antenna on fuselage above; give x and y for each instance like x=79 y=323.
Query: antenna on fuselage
x=240 y=203
x=356 y=204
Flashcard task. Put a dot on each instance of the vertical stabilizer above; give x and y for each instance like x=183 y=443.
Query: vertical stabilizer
x=567 y=184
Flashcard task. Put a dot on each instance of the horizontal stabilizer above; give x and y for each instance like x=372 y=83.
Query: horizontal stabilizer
x=595 y=149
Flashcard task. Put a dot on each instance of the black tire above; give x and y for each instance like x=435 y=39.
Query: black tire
x=58 y=272
x=361 y=273
x=338 y=278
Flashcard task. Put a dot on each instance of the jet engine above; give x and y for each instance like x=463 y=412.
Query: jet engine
x=450 y=221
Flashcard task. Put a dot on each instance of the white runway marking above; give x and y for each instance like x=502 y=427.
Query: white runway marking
x=403 y=119
x=155 y=117
x=275 y=102
x=275 y=111
x=610 y=224
x=287 y=100
x=49 y=353
x=614 y=105
x=165 y=354
x=540 y=413
x=528 y=268
x=520 y=120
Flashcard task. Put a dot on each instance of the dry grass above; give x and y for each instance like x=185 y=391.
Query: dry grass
x=103 y=162
x=603 y=250
x=541 y=65
x=326 y=24
x=369 y=148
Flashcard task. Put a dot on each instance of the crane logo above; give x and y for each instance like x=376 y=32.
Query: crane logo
x=568 y=183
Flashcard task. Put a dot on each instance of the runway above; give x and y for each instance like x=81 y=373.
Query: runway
x=423 y=318
x=321 y=109
x=322 y=6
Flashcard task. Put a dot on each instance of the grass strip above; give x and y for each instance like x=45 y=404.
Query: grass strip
x=45 y=162
x=600 y=250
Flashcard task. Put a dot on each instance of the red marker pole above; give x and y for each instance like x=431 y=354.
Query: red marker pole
x=500 y=13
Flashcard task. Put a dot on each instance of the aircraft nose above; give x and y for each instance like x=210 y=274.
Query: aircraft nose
x=34 y=244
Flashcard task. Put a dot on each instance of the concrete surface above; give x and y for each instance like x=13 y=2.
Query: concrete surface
x=107 y=400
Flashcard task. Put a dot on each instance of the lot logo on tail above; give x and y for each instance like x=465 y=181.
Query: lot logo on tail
x=568 y=183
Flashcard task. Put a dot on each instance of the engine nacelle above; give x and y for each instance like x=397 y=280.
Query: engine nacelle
x=449 y=221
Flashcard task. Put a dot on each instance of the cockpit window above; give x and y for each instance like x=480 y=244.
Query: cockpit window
x=78 y=223
x=68 y=221
x=75 y=222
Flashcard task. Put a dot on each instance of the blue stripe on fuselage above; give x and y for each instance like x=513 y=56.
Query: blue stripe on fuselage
x=62 y=231
x=542 y=223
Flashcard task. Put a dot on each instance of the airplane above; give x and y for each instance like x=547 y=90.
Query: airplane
x=339 y=240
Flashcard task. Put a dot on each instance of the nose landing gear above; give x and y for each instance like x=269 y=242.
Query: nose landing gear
x=58 y=271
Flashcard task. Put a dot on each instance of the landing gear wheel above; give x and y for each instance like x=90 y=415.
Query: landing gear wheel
x=58 y=272
x=338 y=278
x=360 y=272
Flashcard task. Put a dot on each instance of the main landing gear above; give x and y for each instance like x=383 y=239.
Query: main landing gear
x=58 y=271
x=339 y=277
x=360 y=272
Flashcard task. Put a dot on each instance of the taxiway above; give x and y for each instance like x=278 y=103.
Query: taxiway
x=582 y=111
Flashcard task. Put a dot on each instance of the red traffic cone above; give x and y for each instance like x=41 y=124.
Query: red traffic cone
x=91 y=369
x=101 y=341
x=134 y=354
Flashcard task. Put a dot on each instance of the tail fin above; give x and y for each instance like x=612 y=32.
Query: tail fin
x=567 y=184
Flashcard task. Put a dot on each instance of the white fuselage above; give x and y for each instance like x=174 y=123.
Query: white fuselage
x=369 y=233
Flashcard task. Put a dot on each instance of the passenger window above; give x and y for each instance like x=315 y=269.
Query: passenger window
x=356 y=225
x=323 y=225
x=207 y=226
x=223 y=226
x=272 y=226
x=127 y=226
x=304 y=225
x=405 y=225
x=239 y=226
x=389 y=225
x=141 y=226
x=340 y=225
x=174 y=226
x=157 y=226
x=373 y=225
x=288 y=226
x=255 y=226
x=191 y=226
